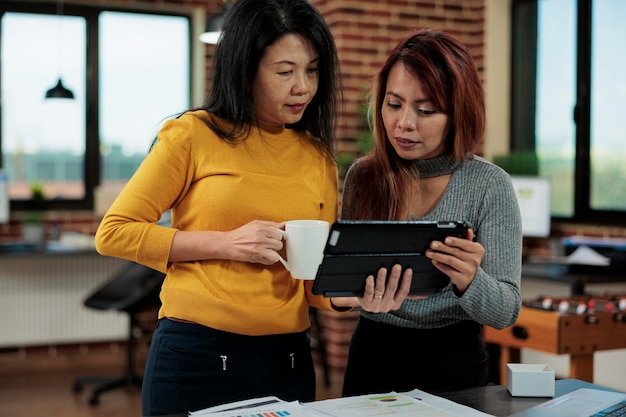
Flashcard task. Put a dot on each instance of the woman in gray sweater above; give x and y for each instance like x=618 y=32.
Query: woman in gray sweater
x=428 y=116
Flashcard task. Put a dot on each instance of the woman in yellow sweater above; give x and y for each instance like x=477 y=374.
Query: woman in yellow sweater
x=233 y=323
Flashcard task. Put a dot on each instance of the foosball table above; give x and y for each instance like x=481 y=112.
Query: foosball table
x=578 y=326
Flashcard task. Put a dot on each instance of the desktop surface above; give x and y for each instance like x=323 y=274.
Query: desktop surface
x=496 y=399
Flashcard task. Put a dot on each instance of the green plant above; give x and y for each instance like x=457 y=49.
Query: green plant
x=363 y=141
x=344 y=160
x=518 y=162
x=36 y=204
x=36 y=192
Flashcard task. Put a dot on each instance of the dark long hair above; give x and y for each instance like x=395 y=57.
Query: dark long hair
x=450 y=80
x=251 y=27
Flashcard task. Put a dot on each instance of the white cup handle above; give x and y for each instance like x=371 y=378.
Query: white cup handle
x=280 y=258
x=284 y=262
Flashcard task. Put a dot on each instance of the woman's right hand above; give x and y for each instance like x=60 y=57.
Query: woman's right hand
x=256 y=242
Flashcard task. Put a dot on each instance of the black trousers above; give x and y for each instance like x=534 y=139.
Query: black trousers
x=385 y=358
x=191 y=367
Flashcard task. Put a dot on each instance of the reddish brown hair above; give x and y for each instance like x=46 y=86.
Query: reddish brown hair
x=451 y=82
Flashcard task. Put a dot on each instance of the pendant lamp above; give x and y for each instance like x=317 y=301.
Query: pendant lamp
x=59 y=91
x=214 y=24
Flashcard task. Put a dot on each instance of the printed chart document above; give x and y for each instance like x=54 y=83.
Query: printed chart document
x=410 y=404
x=414 y=403
x=446 y=405
x=258 y=407
x=263 y=406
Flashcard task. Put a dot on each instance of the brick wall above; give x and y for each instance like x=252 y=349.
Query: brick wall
x=55 y=222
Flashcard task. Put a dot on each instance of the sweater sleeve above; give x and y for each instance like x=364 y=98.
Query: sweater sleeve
x=128 y=229
x=493 y=298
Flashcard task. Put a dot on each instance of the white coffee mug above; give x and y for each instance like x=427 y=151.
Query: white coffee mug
x=305 y=241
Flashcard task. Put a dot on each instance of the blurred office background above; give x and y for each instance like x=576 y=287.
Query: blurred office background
x=553 y=75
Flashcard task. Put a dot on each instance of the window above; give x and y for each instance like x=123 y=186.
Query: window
x=608 y=95
x=42 y=138
x=139 y=74
x=137 y=94
x=568 y=90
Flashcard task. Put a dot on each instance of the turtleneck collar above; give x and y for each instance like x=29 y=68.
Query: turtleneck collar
x=436 y=167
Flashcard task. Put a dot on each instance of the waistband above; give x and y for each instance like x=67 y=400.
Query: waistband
x=194 y=329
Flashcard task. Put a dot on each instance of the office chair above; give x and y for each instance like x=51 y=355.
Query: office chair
x=134 y=289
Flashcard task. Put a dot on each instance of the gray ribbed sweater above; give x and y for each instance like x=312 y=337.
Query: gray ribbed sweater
x=481 y=193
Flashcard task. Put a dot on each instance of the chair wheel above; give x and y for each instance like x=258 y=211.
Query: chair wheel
x=94 y=400
x=78 y=387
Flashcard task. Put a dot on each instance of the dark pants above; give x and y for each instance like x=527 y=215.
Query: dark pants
x=191 y=367
x=384 y=358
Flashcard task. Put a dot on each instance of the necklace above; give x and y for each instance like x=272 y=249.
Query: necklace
x=435 y=167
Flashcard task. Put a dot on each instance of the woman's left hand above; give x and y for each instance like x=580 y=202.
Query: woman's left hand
x=383 y=294
x=457 y=258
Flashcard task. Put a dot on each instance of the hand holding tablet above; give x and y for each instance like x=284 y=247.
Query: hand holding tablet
x=356 y=249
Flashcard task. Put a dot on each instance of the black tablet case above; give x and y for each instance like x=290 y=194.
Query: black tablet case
x=356 y=249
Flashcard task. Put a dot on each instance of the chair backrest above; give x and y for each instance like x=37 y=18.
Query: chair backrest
x=134 y=288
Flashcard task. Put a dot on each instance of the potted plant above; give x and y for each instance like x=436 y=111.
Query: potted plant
x=33 y=227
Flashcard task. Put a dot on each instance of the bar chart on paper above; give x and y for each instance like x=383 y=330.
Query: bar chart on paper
x=258 y=407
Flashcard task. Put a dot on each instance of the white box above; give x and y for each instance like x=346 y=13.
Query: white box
x=530 y=380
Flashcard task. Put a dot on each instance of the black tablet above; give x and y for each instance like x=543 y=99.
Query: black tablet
x=357 y=248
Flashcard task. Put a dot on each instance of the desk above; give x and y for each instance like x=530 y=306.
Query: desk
x=577 y=276
x=496 y=400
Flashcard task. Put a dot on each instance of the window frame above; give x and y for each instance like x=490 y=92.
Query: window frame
x=523 y=105
x=92 y=157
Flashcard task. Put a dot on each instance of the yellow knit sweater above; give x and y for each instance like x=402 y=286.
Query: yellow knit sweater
x=211 y=185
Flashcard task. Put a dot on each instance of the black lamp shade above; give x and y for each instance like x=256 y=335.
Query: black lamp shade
x=214 y=25
x=59 y=91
